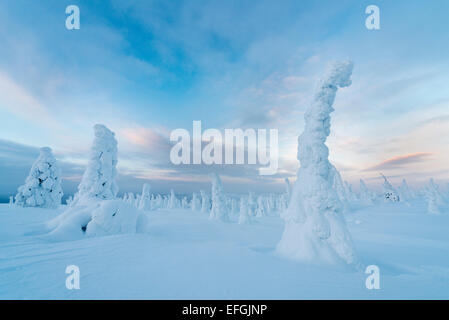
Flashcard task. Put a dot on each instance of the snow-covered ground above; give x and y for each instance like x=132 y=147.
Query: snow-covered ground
x=184 y=255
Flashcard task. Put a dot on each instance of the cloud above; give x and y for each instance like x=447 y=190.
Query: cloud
x=16 y=100
x=401 y=161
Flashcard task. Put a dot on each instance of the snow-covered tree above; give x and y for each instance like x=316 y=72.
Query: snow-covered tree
x=389 y=192
x=98 y=182
x=184 y=203
x=366 y=196
x=173 y=201
x=42 y=187
x=251 y=204
x=195 y=205
x=260 y=211
x=340 y=189
x=315 y=229
x=405 y=192
x=218 y=210
x=288 y=189
x=244 y=218
x=205 y=201
x=145 y=198
x=434 y=198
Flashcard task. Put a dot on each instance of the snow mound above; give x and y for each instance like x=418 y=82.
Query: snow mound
x=100 y=218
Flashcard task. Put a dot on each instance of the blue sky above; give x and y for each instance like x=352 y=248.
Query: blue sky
x=144 y=68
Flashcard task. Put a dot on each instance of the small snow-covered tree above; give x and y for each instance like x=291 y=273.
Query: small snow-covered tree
x=288 y=188
x=184 y=203
x=98 y=182
x=315 y=229
x=205 y=201
x=251 y=204
x=260 y=211
x=173 y=201
x=389 y=192
x=145 y=198
x=244 y=218
x=218 y=210
x=195 y=205
x=42 y=187
x=366 y=197
x=434 y=198
x=405 y=192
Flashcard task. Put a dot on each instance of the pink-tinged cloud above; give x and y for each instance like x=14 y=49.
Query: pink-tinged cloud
x=400 y=161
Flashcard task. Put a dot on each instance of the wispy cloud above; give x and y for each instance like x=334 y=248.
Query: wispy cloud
x=401 y=161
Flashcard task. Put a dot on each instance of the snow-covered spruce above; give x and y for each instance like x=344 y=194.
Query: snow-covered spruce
x=42 y=187
x=244 y=218
x=434 y=198
x=145 y=198
x=315 y=229
x=205 y=202
x=389 y=192
x=366 y=196
x=219 y=210
x=173 y=202
x=98 y=181
x=195 y=203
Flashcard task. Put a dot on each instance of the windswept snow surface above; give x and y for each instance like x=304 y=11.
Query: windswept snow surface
x=181 y=254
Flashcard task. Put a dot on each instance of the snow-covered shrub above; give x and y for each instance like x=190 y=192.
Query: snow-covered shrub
x=98 y=181
x=144 y=202
x=218 y=210
x=315 y=229
x=42 y=187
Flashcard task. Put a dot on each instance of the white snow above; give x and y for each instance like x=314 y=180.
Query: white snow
x=180 y=254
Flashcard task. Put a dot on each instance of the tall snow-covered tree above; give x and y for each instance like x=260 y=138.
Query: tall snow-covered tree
x=315 y=229
x=219 y=210
x=42 y=187
x=98 y=182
